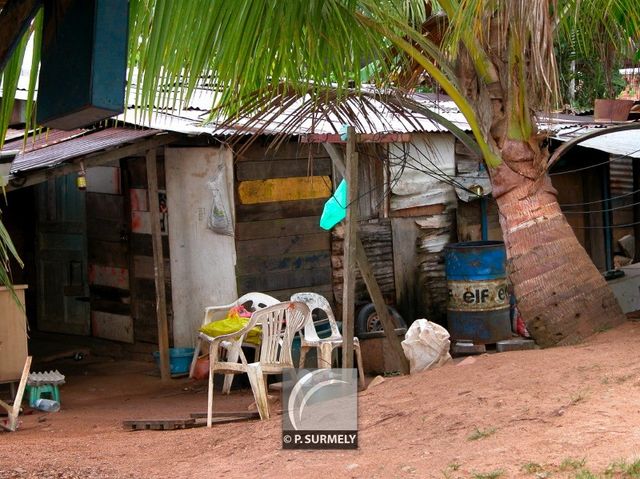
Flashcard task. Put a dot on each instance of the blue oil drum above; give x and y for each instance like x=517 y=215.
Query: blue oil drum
x=478 y=308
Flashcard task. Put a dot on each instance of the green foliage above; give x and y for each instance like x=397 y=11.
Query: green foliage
x=591 y=78
x=495 y=474
x=481 y=433
x=532 y=467
x=593 y=40
x=623 y=469
x=571 y=463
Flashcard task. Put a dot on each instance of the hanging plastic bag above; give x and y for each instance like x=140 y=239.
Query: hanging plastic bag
x=426 y=345
x=219 y=220
x=335 y=208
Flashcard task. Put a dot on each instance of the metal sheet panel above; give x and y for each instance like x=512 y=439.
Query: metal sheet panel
x=63 y=151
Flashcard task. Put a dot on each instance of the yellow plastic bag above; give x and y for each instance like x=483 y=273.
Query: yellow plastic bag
x=232 y=323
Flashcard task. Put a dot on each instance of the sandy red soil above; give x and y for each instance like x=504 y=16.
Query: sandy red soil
x=541 y=406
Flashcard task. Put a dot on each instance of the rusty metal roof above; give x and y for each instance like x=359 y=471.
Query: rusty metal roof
x=40 y=140
x=51 y=155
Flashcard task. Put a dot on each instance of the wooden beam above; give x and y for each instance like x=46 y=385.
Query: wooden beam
x=636 y=207
x=336 y=156
x=14 y=410
x=15 y=17
x=380 y=305
x=361 y=138
x=158 y=263
x=351 y=228
x=95 y=159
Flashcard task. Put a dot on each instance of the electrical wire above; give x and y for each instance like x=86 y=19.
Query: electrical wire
x=610 y=160
x=613 y=198
x=602 y=211
x=629 y=225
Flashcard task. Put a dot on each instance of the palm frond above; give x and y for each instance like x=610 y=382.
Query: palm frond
x=242 y=46
x=496 y=28
x=284 y=111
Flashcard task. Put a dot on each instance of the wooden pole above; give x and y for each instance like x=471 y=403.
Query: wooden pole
x=381 y=307
x=350 y=230
x=636 y=208
x=158 y=265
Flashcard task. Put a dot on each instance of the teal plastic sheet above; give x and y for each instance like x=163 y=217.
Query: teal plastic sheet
x=335 y=209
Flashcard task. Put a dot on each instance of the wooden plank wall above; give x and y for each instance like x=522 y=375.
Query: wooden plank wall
x=280 y=246
x=108 y=254
x=423 y=220
x=143 y=291
x=377 y=241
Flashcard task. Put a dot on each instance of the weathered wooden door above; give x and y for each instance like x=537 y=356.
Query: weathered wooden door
x=63 y=290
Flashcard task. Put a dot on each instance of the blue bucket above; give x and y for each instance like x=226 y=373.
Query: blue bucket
x=179 y=359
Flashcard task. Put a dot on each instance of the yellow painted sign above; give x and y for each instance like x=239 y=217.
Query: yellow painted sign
x=284 y=189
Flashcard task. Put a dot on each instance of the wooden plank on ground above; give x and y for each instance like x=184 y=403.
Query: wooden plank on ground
x=159 y=424
x=221 y=414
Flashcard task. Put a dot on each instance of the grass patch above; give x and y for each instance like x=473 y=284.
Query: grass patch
x=585 y=474
x=454 y=466
x=481 y=433
x=623 y=469
x=616 y=379
x=578 y=397
x=531 y=467
x=489 y=475
x=572 y=464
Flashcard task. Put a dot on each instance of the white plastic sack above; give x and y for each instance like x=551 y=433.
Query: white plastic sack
x=426 y=345
x=219 y=219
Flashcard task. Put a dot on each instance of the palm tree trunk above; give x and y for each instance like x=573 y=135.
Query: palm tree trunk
x=562 y=296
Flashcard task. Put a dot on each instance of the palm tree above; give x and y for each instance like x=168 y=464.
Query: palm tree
x=496 y=61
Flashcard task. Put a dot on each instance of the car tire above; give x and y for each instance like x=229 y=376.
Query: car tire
x=367 y=320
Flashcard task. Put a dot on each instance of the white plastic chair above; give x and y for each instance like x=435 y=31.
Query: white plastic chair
x=325 y=346
x=279 y=325
x=216 y=313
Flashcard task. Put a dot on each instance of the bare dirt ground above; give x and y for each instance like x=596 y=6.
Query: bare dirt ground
x=544 y=413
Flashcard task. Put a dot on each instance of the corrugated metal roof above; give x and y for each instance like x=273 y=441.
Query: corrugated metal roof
x=621 y=174
x=623 y=143
x=41 y=140
x=92 y=142
x=373 y=117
